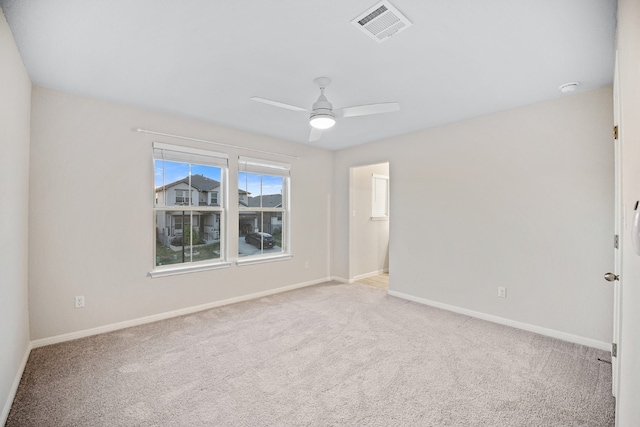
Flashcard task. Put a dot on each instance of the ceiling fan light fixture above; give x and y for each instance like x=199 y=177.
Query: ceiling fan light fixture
x=323 y=116
x=322 y=120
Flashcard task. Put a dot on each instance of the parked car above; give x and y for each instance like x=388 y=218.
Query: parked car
x=260 y=240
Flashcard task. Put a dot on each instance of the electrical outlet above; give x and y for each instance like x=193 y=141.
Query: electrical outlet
x=79 y=301
x=306 y=264
x=502 y=292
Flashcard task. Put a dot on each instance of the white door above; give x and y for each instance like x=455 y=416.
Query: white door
x=618 y=221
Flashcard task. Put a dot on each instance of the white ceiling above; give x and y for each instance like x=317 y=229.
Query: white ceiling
x=204 y=59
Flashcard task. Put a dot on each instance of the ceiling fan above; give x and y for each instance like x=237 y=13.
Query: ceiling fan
x=323 y=116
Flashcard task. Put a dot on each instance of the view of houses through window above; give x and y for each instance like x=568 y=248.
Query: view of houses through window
x=261 y=214
x=189 y=218
x=262 y=207
x=190 y=207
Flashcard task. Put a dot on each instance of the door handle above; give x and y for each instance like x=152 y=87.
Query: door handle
x=610 y=277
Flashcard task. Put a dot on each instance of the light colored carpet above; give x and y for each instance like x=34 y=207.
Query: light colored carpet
x=327 y=355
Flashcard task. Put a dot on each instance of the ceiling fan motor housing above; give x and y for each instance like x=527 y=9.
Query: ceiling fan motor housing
x=322 y=104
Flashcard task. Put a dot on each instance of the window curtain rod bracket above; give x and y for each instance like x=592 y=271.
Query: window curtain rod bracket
x=216 y=143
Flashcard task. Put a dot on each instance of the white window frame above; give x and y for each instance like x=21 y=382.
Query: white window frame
x=267 y=167
x=379 y=197
x=192 y=156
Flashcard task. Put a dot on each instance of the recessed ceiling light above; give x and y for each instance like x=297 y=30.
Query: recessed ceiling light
x=569 y=87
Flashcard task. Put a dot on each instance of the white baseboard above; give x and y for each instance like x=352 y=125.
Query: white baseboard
x=14 y=386
x=370 y=274
x=359 y=277
x=167 y=315
x=576 y=339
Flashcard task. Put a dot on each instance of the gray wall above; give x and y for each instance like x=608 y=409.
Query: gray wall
x=521 y=199
x=92 y=226
x=15 y=102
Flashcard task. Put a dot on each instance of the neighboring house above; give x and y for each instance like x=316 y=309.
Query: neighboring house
x=268 y=201
x=271 y=221
x=203 y=191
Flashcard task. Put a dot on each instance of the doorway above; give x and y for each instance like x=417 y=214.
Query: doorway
x=369 y=195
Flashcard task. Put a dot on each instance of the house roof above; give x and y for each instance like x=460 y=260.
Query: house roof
x=199 y=182
x=268 y=201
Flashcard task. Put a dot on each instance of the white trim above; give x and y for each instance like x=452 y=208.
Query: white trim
x=576 y=339
x=262 y=260
x=250 y=162
x=370 y=274
x=14 y=387
x=167 y=315
x=182 y=149
x=187 y=269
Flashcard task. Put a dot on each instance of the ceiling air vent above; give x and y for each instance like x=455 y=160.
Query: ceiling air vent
x=382 y=21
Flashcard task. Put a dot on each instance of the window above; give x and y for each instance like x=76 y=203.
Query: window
x=189 y=232
x=263 y=208
x=182 y=197
x=379 y=197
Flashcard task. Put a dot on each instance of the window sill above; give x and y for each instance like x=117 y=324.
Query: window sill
x=262 y=260
x=379 y=218
x=187 y=269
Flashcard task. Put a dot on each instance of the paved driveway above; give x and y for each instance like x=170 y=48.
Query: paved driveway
x=245 y=248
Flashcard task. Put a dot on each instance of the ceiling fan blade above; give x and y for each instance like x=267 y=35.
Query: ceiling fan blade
x=315 y=134
x=278 y=104
x=366 y=110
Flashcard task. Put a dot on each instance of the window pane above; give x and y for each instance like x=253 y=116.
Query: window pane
x=181 y=184
x=260 y=233
x=190 y=185
x=248 y=188
x=257 y=191
x=205 y=237
x=260 y=227
x=187 y=236
x=271 y=191
x=169 y=177
x=205 y=181
x=272 y=224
